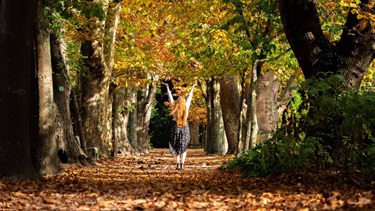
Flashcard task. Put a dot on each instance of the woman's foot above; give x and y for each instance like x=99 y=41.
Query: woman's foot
x=178 y=166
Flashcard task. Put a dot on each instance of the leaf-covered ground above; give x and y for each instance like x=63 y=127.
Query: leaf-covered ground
x=151 y=182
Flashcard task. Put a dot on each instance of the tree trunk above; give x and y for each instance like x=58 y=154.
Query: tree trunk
x=230 y=105
x=69 y=149
x=121 y=119
x=95 y=85
x=267 y=104
x=357 y=46
x=194 y=134
x=111 y=24
x=141 y=143
x=203 y=136
x=353 y=53
x=16 y=97
x=215 y=127
x=78 y=121
x=95 y=91
x=250 y=127
x=45 y=160
x=306 y=38
x=286 y=95
x=145 y=98
x=112 y=20
x=252 y=108
x=94 y=88
x=115 y=122
x=132 y=126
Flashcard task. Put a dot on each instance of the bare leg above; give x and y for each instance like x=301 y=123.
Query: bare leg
x=183 y=157
x=178 y=157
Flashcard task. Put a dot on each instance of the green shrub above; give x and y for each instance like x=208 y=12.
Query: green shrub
x=329 y=127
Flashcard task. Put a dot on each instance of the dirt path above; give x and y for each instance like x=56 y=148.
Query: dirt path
x=151 y=182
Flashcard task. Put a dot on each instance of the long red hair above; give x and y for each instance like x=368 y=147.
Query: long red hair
x=179 y=107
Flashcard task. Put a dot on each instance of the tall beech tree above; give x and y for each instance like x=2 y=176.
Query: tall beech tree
x=17 y=97
x=352 y=54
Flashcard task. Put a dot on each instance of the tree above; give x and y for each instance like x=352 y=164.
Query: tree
x=66 y=63
x=141 y=59
x=17 y=98
x=236 y=43
x=145 y=97
x=45 y=149
x=121 y=110
x=70 y=150
x=352 y=53
x=215 y=142
x=223 y=38
x=132 y=127
x=97 y=84
x=231 y=108
x=256 y=30
x=334 y=67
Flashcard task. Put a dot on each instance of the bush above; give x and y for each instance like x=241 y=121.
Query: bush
x=329 y=127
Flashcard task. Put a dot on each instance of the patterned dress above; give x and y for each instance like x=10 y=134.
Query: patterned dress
x=179 y=141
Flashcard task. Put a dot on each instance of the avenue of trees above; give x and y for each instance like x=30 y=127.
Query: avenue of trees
x=281 y=84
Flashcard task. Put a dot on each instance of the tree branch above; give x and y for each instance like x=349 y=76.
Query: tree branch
x=306 y=38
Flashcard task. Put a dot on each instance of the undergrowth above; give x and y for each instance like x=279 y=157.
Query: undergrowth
x=326 y=127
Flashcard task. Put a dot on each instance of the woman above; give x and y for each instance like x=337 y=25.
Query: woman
x=180 y=130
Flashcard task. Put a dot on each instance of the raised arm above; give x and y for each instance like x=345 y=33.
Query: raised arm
x=170 y=97
x=190 y=97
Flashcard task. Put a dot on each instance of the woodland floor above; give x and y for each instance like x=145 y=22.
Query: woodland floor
x=151 y=182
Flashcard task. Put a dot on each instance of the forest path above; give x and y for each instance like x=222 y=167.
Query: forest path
x=151 y=182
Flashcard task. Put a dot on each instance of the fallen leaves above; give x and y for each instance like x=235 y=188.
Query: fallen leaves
x=151 y=182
